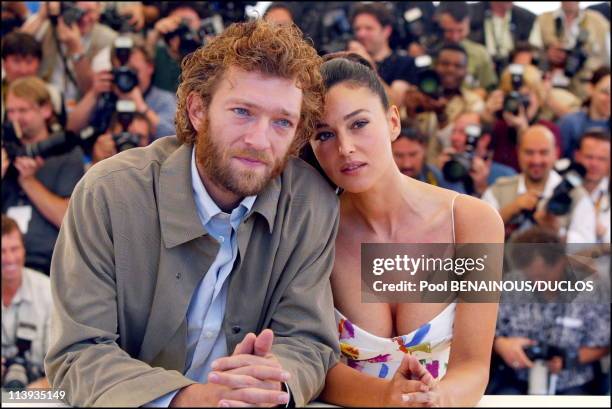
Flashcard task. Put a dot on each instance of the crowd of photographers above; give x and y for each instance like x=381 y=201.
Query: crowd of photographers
x=496 y=102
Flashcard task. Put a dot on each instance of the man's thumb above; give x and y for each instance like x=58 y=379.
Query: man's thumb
x=263 y=343
x=246 y=345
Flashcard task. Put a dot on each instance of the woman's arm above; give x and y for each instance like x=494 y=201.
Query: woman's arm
x=345 y=386
x=474 y=327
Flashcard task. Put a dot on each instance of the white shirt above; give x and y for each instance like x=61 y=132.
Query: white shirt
x=590 y=210
x=28 y=316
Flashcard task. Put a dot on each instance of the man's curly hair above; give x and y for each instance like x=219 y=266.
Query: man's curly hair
x=271 y=49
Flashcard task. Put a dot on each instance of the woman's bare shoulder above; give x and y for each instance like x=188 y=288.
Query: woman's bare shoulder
x=476 y=221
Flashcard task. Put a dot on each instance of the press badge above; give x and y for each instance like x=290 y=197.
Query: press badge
x=22 y=215
x=569 y=322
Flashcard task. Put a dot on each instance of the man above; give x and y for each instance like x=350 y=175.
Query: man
x=36 y=191
x=500 y=26
x=81 y=45
x=21 y=57
x=517 y=197
x=372 y=26
x=26 y=307
x=454 y=21
x=594 y=155
x=105 y=146
x=155 y=103
x=576 y=334
x=434 y=116
x=171 y=254
x=278 y=12
x=168 y=54
x=558 y=32
x=484 y=171
x=409 y=153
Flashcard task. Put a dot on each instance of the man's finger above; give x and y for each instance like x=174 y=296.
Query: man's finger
x=264 y=373
x=238 y=361
x=236 y=381
x=227 y=403
x=246 y=345
x=254 y=395
x=263 y=343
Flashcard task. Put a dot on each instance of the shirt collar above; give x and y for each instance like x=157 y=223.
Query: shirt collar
x=602 y=187
x=205 y=205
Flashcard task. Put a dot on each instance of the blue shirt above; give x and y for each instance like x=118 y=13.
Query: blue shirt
x=573 y=125
x=163 y=103
x=205 y=339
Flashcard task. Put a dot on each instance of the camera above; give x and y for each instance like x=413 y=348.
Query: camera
x=336 y=31
x=19 y=371
x=573 y=173
x=417 y=30
x=70 y=12
x=514 y=99
x=458 y=167
x=576 y=56
x=58 y=143
x=118 y=22
x=124 y=77
x=125 y=114
x=428 y=80
x=189 y=40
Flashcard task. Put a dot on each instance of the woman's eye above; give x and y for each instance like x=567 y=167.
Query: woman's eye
x=323 y=136
x=241 y=111
x=359 y=124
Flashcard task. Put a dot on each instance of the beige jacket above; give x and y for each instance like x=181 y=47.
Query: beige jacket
x=131 y=252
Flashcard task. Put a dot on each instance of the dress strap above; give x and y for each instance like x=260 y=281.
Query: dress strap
x=453 y=215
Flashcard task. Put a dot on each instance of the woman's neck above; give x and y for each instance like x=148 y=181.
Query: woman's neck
x=381 y=208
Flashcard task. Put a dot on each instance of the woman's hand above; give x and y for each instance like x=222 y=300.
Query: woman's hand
x=411 y=378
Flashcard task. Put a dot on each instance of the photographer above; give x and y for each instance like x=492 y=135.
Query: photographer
x=595 y=114
x=156 y=104
x=409 y=154
x=468 y=161
x=454 y=20
x=517 y=105
x=167 y=49
x=570 y=338
x=138 y=133
x=72 y=39
x=26 y=314
x=36 y=190
x=372 y=26
x=594 y=155
x=434 y=111
x=21 y=57
x=517 y=197
x=576 y=43
x=499 y=26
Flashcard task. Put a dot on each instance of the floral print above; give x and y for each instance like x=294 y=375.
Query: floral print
x=380 y=357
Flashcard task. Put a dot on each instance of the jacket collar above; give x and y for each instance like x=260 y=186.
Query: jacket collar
x=178 y=215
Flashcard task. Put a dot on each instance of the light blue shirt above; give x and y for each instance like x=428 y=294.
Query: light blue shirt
x=205 y=339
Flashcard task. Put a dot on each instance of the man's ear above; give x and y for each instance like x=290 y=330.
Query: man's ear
x=47 y=110
x=395 y=124
x=196 y=109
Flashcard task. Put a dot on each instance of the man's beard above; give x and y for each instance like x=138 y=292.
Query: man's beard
x=216 y=162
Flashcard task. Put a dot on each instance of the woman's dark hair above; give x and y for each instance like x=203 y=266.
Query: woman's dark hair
x=599 y=74
x=342 y=70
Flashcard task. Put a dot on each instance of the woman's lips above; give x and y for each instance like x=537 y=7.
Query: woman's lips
x=352 y=167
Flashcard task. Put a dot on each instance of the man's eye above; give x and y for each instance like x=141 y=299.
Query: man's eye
x=323 y=136
x=284 y=123
x=241 y=111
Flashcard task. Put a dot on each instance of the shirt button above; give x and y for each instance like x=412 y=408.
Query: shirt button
x=209 y=334
x=221 y=239
x=236 y=329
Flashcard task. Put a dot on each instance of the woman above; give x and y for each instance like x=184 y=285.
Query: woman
x=596 y=113
x=380 y=204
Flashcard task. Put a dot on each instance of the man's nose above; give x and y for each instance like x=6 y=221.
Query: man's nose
x=257 y=137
